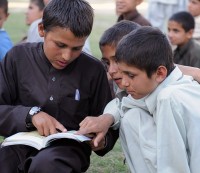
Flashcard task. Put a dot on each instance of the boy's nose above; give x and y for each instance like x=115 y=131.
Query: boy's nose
x=112 y=69
x=125 y=82
x=66 y=54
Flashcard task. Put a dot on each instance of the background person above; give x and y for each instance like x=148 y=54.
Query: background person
x=5 y=43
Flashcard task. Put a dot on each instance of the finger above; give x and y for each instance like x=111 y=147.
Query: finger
x=46 y=131
x=40 y=131
x=98 y=139
x=84 y=121
x=81 y=132
x=60 y=127
x=53 y=130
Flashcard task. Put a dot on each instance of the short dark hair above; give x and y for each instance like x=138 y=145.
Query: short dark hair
x=39 y=3
x=76 y=15
x=146 y=48
x=4 y=5
x=114 y=34
x=185 y=19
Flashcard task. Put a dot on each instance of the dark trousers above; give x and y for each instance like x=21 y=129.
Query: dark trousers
x=63 y=156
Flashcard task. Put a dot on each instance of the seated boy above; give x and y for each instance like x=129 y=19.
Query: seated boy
x=170 y=102
x=194 y=9
x=51 y=86
x=180 y=32
x=126 y=9
x=100 y=124
x=5 y=43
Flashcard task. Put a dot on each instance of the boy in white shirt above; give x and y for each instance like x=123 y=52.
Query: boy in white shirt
x=150 y=121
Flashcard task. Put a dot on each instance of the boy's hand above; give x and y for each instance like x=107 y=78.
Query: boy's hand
x=46 y=124
x=101 y=144
x=97 y=125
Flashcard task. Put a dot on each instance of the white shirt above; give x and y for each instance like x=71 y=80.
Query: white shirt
x=161 y=132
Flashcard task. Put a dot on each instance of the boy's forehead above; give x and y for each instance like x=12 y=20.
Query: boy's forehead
x=175 y=24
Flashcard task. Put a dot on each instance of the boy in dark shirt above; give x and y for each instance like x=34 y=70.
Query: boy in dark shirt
x=126 y=9
x=180 y=32
x=51 y=87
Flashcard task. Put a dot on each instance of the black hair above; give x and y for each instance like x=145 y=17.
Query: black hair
x=76 y=15
x=146 y=48
x=114 y=34
x=4 y=5
x=185 y=19
x=39 y=3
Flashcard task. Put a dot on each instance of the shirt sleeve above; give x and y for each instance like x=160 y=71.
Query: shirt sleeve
x=12 y=114
x=171 y=139
x=112 y=109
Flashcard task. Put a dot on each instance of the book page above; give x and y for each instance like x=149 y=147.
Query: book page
x=68 y=134
x=37 y=141
x=25 y=138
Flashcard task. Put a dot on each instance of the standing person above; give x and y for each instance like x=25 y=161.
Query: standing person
x=5 y=43
x=159 y=11
x=127 y=10
x=51 y=87
x=180 y=33
x=194 y=9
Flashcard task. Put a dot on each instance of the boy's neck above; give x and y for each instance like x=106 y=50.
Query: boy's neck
x=130 y=15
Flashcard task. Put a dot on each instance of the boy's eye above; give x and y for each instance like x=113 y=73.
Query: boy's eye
x=106 y=63
x=76 y=48
x=130 y=75
x=115 y=59
x=61 y=45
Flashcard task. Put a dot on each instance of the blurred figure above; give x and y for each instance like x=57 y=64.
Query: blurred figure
x=33 y=17
x=159 y=11
x=5 y=43
x=127 y=10
x=180 y=31
x=194 y=9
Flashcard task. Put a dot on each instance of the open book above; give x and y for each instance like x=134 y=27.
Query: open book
x=37 y=141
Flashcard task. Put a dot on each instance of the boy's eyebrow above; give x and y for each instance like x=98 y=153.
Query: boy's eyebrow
x=59 y=42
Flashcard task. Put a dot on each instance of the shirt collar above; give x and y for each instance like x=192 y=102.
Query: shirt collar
x=130 y=16
x=151 y=100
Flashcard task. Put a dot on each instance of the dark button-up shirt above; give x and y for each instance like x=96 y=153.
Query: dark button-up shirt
x=136 y=17
x=28 y=79
x=188 y=55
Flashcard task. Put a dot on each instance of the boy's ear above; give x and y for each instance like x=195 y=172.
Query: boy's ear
x=41 y=30
x=190 y=33
x=161 y=73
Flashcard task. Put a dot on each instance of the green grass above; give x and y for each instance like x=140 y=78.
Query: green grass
x=16 y=28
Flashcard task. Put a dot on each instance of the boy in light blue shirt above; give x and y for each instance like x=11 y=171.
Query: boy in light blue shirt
x=5 y=43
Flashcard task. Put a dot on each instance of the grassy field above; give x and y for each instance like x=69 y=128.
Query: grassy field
x=104 y=18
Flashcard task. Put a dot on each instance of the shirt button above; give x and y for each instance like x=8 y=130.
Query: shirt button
x=53 y=79
x=51 y=98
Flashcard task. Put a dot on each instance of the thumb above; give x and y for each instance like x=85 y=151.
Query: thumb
x=98 y=139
